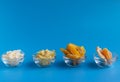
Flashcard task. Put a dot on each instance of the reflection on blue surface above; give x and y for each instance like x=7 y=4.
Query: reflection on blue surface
x=32 y=25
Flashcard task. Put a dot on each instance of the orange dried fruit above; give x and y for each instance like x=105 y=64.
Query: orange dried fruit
x=107 y=53
x=71 y=56
x=73 y=51
x=104 y=53
x=64 y=51
x=81 y=51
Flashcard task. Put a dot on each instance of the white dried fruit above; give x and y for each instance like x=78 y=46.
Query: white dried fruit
x=13 y=58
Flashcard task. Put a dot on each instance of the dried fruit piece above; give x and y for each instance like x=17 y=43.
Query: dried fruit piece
x=107 y=53
x=104 y=53
x=98 y=49
x=81 y=51
x=65 y=51
x=73 y=51
x=73 y=56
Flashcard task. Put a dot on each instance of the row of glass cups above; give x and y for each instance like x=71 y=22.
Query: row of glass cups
x=16 y=57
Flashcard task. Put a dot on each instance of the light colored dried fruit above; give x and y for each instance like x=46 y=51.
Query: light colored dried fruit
x=45 y=54
x=98 y=49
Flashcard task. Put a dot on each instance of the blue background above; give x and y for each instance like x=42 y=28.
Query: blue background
x=32 y=25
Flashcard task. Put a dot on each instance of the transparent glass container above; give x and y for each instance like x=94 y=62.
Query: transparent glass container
x=104 y=63
x=73 y=62
x=13 y=62
x=43 y=62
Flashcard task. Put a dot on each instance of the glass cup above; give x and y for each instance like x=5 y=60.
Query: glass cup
x=43 y=62
x=73 y=62
x=104 y=63
x=13 y=62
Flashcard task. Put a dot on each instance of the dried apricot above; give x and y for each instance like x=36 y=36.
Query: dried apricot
x=104 y=53
x=73 y=51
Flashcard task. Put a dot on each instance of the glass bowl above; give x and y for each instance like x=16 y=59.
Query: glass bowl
x=103 y=63
x=13 y=62
x=43 y=62
x=73 y=62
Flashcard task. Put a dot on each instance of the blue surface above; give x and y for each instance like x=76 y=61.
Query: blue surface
x=32 y=25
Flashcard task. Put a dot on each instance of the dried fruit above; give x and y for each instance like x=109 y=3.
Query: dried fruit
x=107 y=53
x=104 y=53
x=73 y=51
x=44 y=58
x=45 y=54
x=13 y=58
